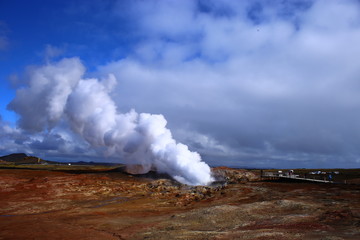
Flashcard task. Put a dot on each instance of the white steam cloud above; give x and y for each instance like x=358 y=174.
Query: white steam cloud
x=57 y=93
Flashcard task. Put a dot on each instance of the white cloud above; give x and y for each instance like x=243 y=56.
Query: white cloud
x=42 y=104
x=52 y=52
x=285 y=79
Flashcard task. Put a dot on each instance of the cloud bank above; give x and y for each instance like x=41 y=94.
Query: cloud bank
x=249 y=83
x=270 y=83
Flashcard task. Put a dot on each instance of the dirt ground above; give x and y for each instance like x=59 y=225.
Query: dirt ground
x=41 y=204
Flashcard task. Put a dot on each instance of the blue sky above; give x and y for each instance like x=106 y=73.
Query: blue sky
x=74 y=28
x=244 y=83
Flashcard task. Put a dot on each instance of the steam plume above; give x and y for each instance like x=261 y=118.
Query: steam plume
x=58 y=93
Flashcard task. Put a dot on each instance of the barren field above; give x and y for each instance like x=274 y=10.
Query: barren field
x=44 y=204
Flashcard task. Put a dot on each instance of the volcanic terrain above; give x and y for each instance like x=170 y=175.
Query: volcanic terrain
x=110 y=204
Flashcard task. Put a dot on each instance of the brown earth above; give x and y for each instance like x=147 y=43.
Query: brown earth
x=41 y=204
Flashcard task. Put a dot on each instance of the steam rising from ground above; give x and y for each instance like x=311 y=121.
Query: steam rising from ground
x=57 y=93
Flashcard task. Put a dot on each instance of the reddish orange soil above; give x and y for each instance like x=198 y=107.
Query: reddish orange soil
x=37 y=204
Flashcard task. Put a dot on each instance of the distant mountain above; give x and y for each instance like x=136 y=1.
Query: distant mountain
x=21 y=158
x=15 y=157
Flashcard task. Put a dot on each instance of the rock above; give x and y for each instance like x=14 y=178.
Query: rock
x=233 y=176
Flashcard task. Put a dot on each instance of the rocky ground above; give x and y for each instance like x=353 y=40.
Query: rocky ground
x=41 y=204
